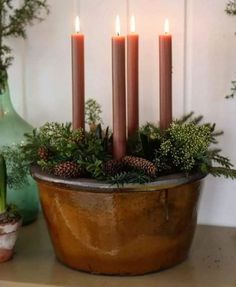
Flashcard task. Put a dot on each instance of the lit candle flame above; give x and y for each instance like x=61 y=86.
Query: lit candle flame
x=167 y=26
x=118 y=25
x=132 y=24
x=77 y=24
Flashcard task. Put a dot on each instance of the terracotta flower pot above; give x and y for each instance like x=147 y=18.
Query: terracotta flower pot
x=135 y=229
x=8 y=236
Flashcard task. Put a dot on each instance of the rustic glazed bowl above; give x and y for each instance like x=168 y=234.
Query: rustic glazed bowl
x=131 y=230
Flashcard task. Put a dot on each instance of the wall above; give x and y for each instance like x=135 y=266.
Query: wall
x=204 y=44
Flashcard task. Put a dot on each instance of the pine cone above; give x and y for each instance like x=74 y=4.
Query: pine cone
x=113 y=167
x=43 y=153
x=141 y=164
x=67 y=170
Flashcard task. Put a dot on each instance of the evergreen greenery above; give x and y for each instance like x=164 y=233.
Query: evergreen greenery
x=186 y=147
x=128 y=177
x=17 y=166
x=13 y=23
x=181 y=146
x=64 y=144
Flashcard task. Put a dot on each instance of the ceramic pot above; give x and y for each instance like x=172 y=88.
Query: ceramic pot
x=135 y=229
x=8 y=236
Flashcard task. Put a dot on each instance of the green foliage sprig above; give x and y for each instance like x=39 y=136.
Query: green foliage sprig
x=93 y=111
x=13 y=23
x=17 y=166
x=182 y=145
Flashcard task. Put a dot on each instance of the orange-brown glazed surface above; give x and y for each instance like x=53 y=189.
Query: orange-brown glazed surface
x=120 y=232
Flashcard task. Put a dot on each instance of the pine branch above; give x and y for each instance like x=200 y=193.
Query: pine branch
x=13 y=23
x=185 y=118
x=222 y=171
x=30 y=12
x=128 y=178
x=197 y=120
x=223 y=161
x=231 y=8
x=233 y=91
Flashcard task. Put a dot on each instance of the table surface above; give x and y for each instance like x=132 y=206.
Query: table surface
x=212 y=262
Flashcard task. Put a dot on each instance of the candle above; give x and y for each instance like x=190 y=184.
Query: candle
x=78 y=77
x=133 y=79
x=119 y=93
x=165 y=54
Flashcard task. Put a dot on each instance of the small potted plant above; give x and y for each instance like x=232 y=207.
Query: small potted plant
x=10 y=220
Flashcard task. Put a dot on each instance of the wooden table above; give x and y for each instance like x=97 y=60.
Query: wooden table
x=212 y=263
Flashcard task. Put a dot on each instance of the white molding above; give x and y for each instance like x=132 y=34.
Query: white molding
x=188 y=55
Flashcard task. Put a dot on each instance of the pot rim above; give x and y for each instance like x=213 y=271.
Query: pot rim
x=10 y=227
x=92 y=185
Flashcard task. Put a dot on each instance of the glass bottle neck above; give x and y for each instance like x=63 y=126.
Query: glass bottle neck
x=6 y=106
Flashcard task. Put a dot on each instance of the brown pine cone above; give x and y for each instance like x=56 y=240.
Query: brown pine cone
x=67 y=170
x=43 y=153
x=140 y=164
x=113 y=167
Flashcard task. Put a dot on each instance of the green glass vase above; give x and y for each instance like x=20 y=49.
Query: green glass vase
x=12 y=130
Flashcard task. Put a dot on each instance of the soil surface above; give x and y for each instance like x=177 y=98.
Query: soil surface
x=9 y=217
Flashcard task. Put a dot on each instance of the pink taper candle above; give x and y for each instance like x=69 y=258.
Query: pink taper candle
x=165 y=46
x=119 y=93
x=78 y=78
x=133 y=79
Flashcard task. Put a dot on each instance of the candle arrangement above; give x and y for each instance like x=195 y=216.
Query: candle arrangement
x=128 y=153
x=119 y=83
x=113 y=184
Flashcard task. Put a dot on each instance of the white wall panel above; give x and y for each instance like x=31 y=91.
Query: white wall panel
x=16 y=75
x=211 y=65
x=48 y=73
